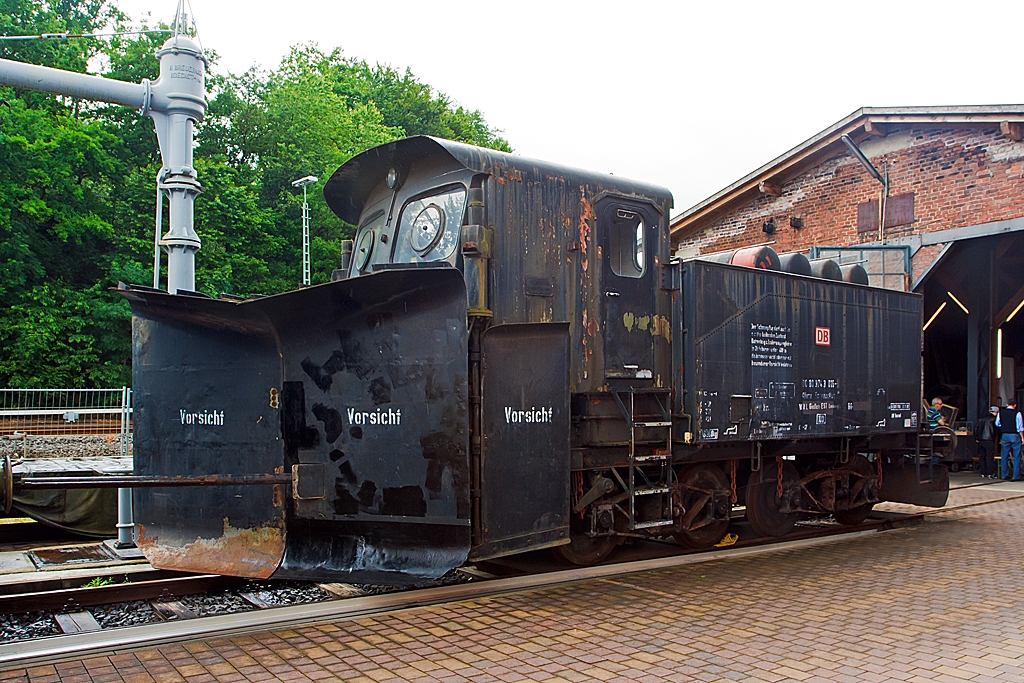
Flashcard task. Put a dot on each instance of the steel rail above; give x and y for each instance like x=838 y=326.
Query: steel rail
x=57 y=648
x=73 y=598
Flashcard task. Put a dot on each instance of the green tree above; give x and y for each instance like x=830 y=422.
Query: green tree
x=77 y=183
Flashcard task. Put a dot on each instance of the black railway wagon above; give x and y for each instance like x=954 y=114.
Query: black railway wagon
x=509 y=360
x=771 y=356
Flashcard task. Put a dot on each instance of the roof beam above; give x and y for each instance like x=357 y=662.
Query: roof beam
x=876 y=129
x=1006 y=310
x=769 y=187
x=1013 y=130
x=951 y=285
x=1004 y=246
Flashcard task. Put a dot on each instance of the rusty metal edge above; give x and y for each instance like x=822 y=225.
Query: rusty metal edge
x=60 y=648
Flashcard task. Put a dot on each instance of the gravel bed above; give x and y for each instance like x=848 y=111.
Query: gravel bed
x=27 y=625
x=274 y=593
x=62 y=446
x=279 y=593
x=212 y=604
x=132 y=613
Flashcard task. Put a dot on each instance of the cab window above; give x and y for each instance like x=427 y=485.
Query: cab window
x=430 y=226
x=626 y=246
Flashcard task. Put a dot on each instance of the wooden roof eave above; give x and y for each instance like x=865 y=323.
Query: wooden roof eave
x=777 y=171
x=861 y=124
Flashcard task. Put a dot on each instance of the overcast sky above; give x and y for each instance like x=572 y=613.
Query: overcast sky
x=689 y=95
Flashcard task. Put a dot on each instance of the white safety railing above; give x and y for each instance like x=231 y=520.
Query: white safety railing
x=31 y=415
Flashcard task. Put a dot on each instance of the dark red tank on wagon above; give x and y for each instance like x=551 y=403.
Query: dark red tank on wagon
x=510 y=359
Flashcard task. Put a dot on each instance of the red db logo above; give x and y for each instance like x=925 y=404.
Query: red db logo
x=822 y=336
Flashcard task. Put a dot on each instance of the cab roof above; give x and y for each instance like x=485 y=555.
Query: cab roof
x=347 y=190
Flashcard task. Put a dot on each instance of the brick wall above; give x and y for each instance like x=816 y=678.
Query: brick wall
x=960 y=175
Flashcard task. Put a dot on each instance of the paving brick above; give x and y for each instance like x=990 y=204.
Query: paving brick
x=925 y=604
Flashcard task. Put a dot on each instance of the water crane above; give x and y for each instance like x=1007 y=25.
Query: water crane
x=175 y=101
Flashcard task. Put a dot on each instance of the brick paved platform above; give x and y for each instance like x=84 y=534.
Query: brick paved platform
x=937 y=602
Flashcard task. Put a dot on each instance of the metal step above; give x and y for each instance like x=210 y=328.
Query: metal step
x=649 y=458
x=658 y=522
x=650 y=491
x=652 y=424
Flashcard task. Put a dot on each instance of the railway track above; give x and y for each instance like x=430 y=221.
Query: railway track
x=177 y=622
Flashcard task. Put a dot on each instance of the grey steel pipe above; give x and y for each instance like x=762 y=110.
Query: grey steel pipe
x=125 y=519
x=125 y=514
x=148 y=481
x=70 y=84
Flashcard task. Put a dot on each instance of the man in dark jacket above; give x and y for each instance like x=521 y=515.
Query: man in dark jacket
x=985 y=434
x=1011 y=426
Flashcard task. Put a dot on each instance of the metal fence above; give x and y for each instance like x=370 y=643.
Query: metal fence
x=29 y=416
x=887 y=266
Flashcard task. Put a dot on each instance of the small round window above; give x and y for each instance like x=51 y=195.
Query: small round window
x=427 y=228
x=364 y=250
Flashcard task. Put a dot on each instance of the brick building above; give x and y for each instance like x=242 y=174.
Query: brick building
x=953 y=228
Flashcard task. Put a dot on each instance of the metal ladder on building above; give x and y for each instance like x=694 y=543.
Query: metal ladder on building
x=650 y=460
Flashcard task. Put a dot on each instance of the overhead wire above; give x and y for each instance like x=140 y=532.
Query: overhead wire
x=65 y=35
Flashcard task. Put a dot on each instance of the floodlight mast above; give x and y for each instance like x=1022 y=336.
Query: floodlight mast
x=304 y=183
x=175 y=102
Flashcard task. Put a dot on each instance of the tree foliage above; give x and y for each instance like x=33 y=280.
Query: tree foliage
x=77 y=183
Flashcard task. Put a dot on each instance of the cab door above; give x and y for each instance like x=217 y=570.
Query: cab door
x=524 y=463
x=627 y=235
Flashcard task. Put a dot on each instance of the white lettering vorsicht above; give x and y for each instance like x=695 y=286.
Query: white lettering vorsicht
x=206 y=417
x=378 y=417
x=513 y=416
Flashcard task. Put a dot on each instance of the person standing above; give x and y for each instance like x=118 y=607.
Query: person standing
x=1011 y=429
x=985 y=434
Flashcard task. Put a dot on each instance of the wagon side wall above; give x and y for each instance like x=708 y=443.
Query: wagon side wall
x=775 y=356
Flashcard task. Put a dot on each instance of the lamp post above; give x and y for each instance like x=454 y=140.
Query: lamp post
x=304 y=183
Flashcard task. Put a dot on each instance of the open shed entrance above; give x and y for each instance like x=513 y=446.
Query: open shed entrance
x=974 y=326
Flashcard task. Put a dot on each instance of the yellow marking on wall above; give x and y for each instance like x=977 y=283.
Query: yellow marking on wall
x=661 y=327
x=627 y=320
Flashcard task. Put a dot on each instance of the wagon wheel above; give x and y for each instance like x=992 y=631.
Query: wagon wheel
x=763 y=502
x=692 y=492
x=581 y=549
x=862 y=466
